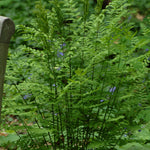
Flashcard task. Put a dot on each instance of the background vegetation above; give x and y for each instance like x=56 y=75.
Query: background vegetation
x=62 y=91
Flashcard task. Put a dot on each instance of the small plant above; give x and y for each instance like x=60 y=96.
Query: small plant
x=81 y=80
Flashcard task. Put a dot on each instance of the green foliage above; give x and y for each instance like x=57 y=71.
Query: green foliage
x=79 y=80
x=142 y=6
x=20 y=13
x=98 y=7
x=9 y=141
x=134 y=146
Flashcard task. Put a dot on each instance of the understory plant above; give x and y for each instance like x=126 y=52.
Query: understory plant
x=78 y=84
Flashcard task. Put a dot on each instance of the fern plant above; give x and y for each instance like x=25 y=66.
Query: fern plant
x=81 y=80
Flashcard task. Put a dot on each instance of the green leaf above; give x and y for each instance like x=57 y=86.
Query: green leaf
x=115 y=119
x=9 y=138
x=142 y=134
x=132 y=146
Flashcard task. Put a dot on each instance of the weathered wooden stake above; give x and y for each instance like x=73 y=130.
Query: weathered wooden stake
x=7 y=29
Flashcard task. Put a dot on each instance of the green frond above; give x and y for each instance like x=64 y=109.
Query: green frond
x=81 y=79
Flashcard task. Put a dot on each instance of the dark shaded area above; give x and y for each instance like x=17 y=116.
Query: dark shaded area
x=105 y=3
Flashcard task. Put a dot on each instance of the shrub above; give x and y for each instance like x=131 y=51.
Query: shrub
x=79 y=80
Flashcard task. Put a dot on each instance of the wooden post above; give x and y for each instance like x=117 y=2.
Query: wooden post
x=7 y=29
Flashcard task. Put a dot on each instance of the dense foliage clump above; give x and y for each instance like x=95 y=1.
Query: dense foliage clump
x=79 y=83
